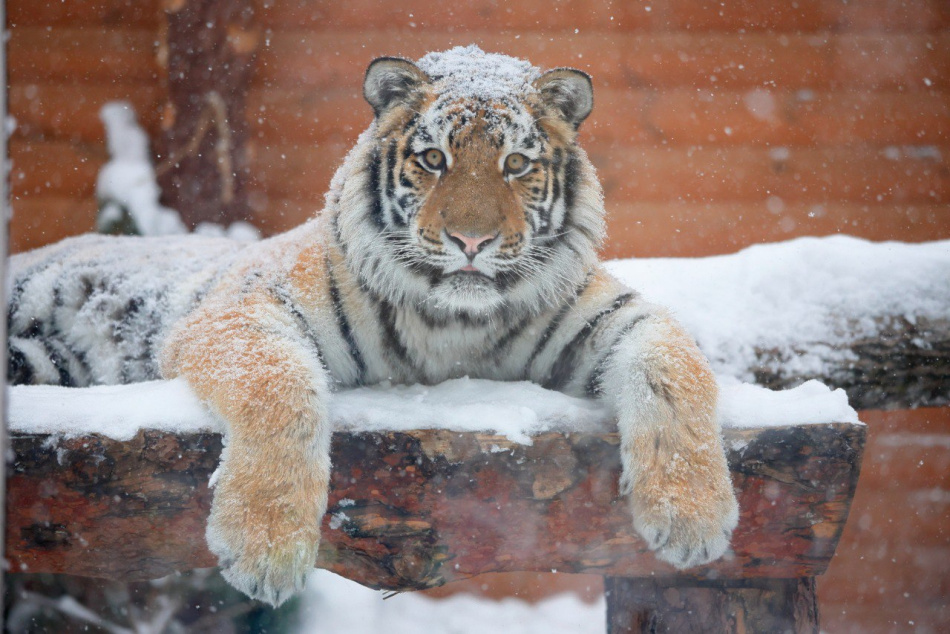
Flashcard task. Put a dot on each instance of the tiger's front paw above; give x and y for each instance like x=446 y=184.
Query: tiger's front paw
x=266 y=543
x=686 y=510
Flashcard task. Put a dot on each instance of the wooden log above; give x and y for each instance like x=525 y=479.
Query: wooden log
x=905 y=364
x=675 y=606
x=208 y=50
x=418 y=509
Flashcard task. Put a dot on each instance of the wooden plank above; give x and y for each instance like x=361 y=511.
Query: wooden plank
x=58 y=168
x=858 y=174
x=562 y=15
x=821 y=61
x=38 y=220
x=567 y=15
x=418 y=509
x=113 y=13
x=81 y=55
x=764 y=117
x=760 y=117
x=63 y=111
x=685 y=229
x=650 y=173
x=693 y=229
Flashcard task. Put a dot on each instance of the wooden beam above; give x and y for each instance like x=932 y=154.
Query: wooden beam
x=418 y=509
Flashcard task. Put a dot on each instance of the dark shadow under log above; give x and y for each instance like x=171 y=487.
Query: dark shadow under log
x=418 y=509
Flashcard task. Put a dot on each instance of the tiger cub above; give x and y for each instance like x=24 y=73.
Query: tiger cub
x=460 y=237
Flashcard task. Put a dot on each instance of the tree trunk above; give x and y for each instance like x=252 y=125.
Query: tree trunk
x=208 y=48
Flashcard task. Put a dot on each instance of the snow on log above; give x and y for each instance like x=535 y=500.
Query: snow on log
x=415 y=509
x=871 y=318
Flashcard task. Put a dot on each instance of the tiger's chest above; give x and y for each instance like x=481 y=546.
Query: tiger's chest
x=419 y=350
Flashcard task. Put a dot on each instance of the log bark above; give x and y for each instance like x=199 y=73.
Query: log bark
x=208 y=48
x=418 y=509
x=675 y=606
x=904 y=365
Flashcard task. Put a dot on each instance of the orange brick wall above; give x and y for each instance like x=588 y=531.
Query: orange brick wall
x=716 y=125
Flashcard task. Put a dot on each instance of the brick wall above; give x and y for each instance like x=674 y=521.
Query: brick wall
x=716 y=125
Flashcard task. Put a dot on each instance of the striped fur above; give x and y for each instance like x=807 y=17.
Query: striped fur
x=381 y=286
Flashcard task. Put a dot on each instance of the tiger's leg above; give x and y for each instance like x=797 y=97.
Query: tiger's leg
x=253 y=367
x=674 y=467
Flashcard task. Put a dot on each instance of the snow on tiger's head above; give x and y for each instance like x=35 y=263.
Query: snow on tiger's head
x=468 y=193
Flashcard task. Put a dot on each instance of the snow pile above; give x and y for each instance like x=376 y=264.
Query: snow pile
x=115 y=411
x=468 y=72
x=806 y=299
x=333 y=604
x=126 y=184
x=128 y=191
x=516 y=410
x=811 y=403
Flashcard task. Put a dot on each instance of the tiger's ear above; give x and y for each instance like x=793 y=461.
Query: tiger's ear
x=391 y=80
x=569 y=92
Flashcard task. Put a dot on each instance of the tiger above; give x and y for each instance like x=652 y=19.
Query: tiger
x=459 y=237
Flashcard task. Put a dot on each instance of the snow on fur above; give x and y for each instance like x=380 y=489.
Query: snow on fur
x=468 y=72
x=799 y=295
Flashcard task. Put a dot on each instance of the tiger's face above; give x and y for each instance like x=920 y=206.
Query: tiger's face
x=475 y=185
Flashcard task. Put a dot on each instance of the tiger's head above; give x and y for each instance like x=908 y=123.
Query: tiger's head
x=469 y=194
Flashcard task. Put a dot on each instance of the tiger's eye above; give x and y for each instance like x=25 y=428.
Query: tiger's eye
x=434 y=159
x=516 y=164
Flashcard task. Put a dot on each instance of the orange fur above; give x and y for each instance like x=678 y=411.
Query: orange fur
x=681 y=478
x=270 y=492
x=472 y=198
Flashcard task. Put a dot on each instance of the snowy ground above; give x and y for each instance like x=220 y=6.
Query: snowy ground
x=332 y=604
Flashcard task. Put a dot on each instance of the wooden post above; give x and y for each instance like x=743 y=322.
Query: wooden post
x=208 y=49
x=684 y=606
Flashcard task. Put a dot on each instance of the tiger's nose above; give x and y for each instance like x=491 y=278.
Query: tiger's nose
x=471 y=246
